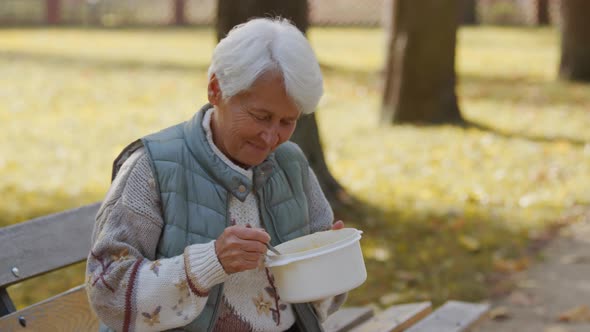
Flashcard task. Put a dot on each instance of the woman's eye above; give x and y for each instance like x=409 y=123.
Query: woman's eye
x=260 y=117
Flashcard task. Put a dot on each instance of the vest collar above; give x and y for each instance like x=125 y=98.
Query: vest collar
x=235 y=182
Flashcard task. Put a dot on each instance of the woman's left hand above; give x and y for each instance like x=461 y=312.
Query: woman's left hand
x=338 y=225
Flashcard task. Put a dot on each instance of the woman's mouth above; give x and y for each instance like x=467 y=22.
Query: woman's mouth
x=261 y=148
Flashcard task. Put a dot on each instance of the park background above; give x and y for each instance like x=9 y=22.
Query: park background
x=449 y=210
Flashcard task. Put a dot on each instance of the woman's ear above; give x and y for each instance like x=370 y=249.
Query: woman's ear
x=213 y=91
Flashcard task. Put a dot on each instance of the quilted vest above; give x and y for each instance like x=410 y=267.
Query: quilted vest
x=195 y=186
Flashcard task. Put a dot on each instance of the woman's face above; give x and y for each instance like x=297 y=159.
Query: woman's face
x=250 y=125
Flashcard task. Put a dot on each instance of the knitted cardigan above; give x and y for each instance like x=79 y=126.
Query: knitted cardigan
x=130 y=289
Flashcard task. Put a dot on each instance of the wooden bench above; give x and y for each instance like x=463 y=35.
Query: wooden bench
x=45 y=244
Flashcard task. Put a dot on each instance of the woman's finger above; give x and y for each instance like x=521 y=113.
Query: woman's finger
x=253 y=247
x=254 y=234
x=338 y=225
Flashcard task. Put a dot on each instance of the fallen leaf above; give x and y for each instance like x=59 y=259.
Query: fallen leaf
x=521 y=299
x=566 y=232
x=468 y=242
x=580 y=313
x=390 y=298
x=555 y=329
x=540 y=311
x=499 y=313
x=457 y=224
x=574 y=259
x=510 y=265
x=380 y=254
x=407 y=276
x=528 y=283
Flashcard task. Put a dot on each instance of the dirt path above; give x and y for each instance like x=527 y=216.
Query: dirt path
x=550 y=289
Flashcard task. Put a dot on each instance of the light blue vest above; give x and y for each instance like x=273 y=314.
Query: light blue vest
x=195 y=187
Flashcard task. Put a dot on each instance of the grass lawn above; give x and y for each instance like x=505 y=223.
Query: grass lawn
x=445 y=210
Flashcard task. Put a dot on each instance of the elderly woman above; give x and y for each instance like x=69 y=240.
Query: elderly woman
x=181 y=236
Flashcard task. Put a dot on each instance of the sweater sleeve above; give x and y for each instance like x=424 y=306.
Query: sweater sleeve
x=322 y=217
x=128 y=288
x=320 y=211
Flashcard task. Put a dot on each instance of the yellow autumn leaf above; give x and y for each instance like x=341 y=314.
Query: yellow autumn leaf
x=469 y=243
x=579 y=313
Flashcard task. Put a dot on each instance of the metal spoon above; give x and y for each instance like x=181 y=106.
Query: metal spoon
x=273 y=249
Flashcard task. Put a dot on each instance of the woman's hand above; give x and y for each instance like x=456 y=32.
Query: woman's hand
x=338 y=225
x=240 y=248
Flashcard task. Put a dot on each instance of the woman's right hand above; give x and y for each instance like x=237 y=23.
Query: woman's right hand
x=240 y=248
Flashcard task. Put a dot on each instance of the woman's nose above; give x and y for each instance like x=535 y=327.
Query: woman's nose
x=270 y=136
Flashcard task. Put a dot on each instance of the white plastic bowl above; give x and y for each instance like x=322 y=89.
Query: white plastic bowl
x=318 y=265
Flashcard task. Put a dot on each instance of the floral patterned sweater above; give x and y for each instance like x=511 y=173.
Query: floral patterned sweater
x=130 y=290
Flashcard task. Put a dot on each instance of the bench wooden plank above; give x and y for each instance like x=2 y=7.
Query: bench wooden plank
x=6 y=305
x=453 y=316
x=45 y=244
x=68 y=311
x=347 y=318
x=396 y=318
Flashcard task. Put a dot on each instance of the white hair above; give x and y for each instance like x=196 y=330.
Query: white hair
x=262 y=45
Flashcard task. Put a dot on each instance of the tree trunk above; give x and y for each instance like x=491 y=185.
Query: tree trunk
x=179 y=17
x=469 y=12
x=233 y=12
x=53 y=10
x=536 y=12
x=420 y=68
x=575 y=40
x=542 y=12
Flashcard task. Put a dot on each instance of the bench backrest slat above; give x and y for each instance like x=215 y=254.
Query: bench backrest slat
x=45 y=244
x=68 y=311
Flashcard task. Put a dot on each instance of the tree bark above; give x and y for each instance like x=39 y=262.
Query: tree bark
x=233 y=12
x=53 y=10
x=542 y=12
x=179 y=17
x=420 y=67
x=536 y=12
x=469 y=12
x=575 y=40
